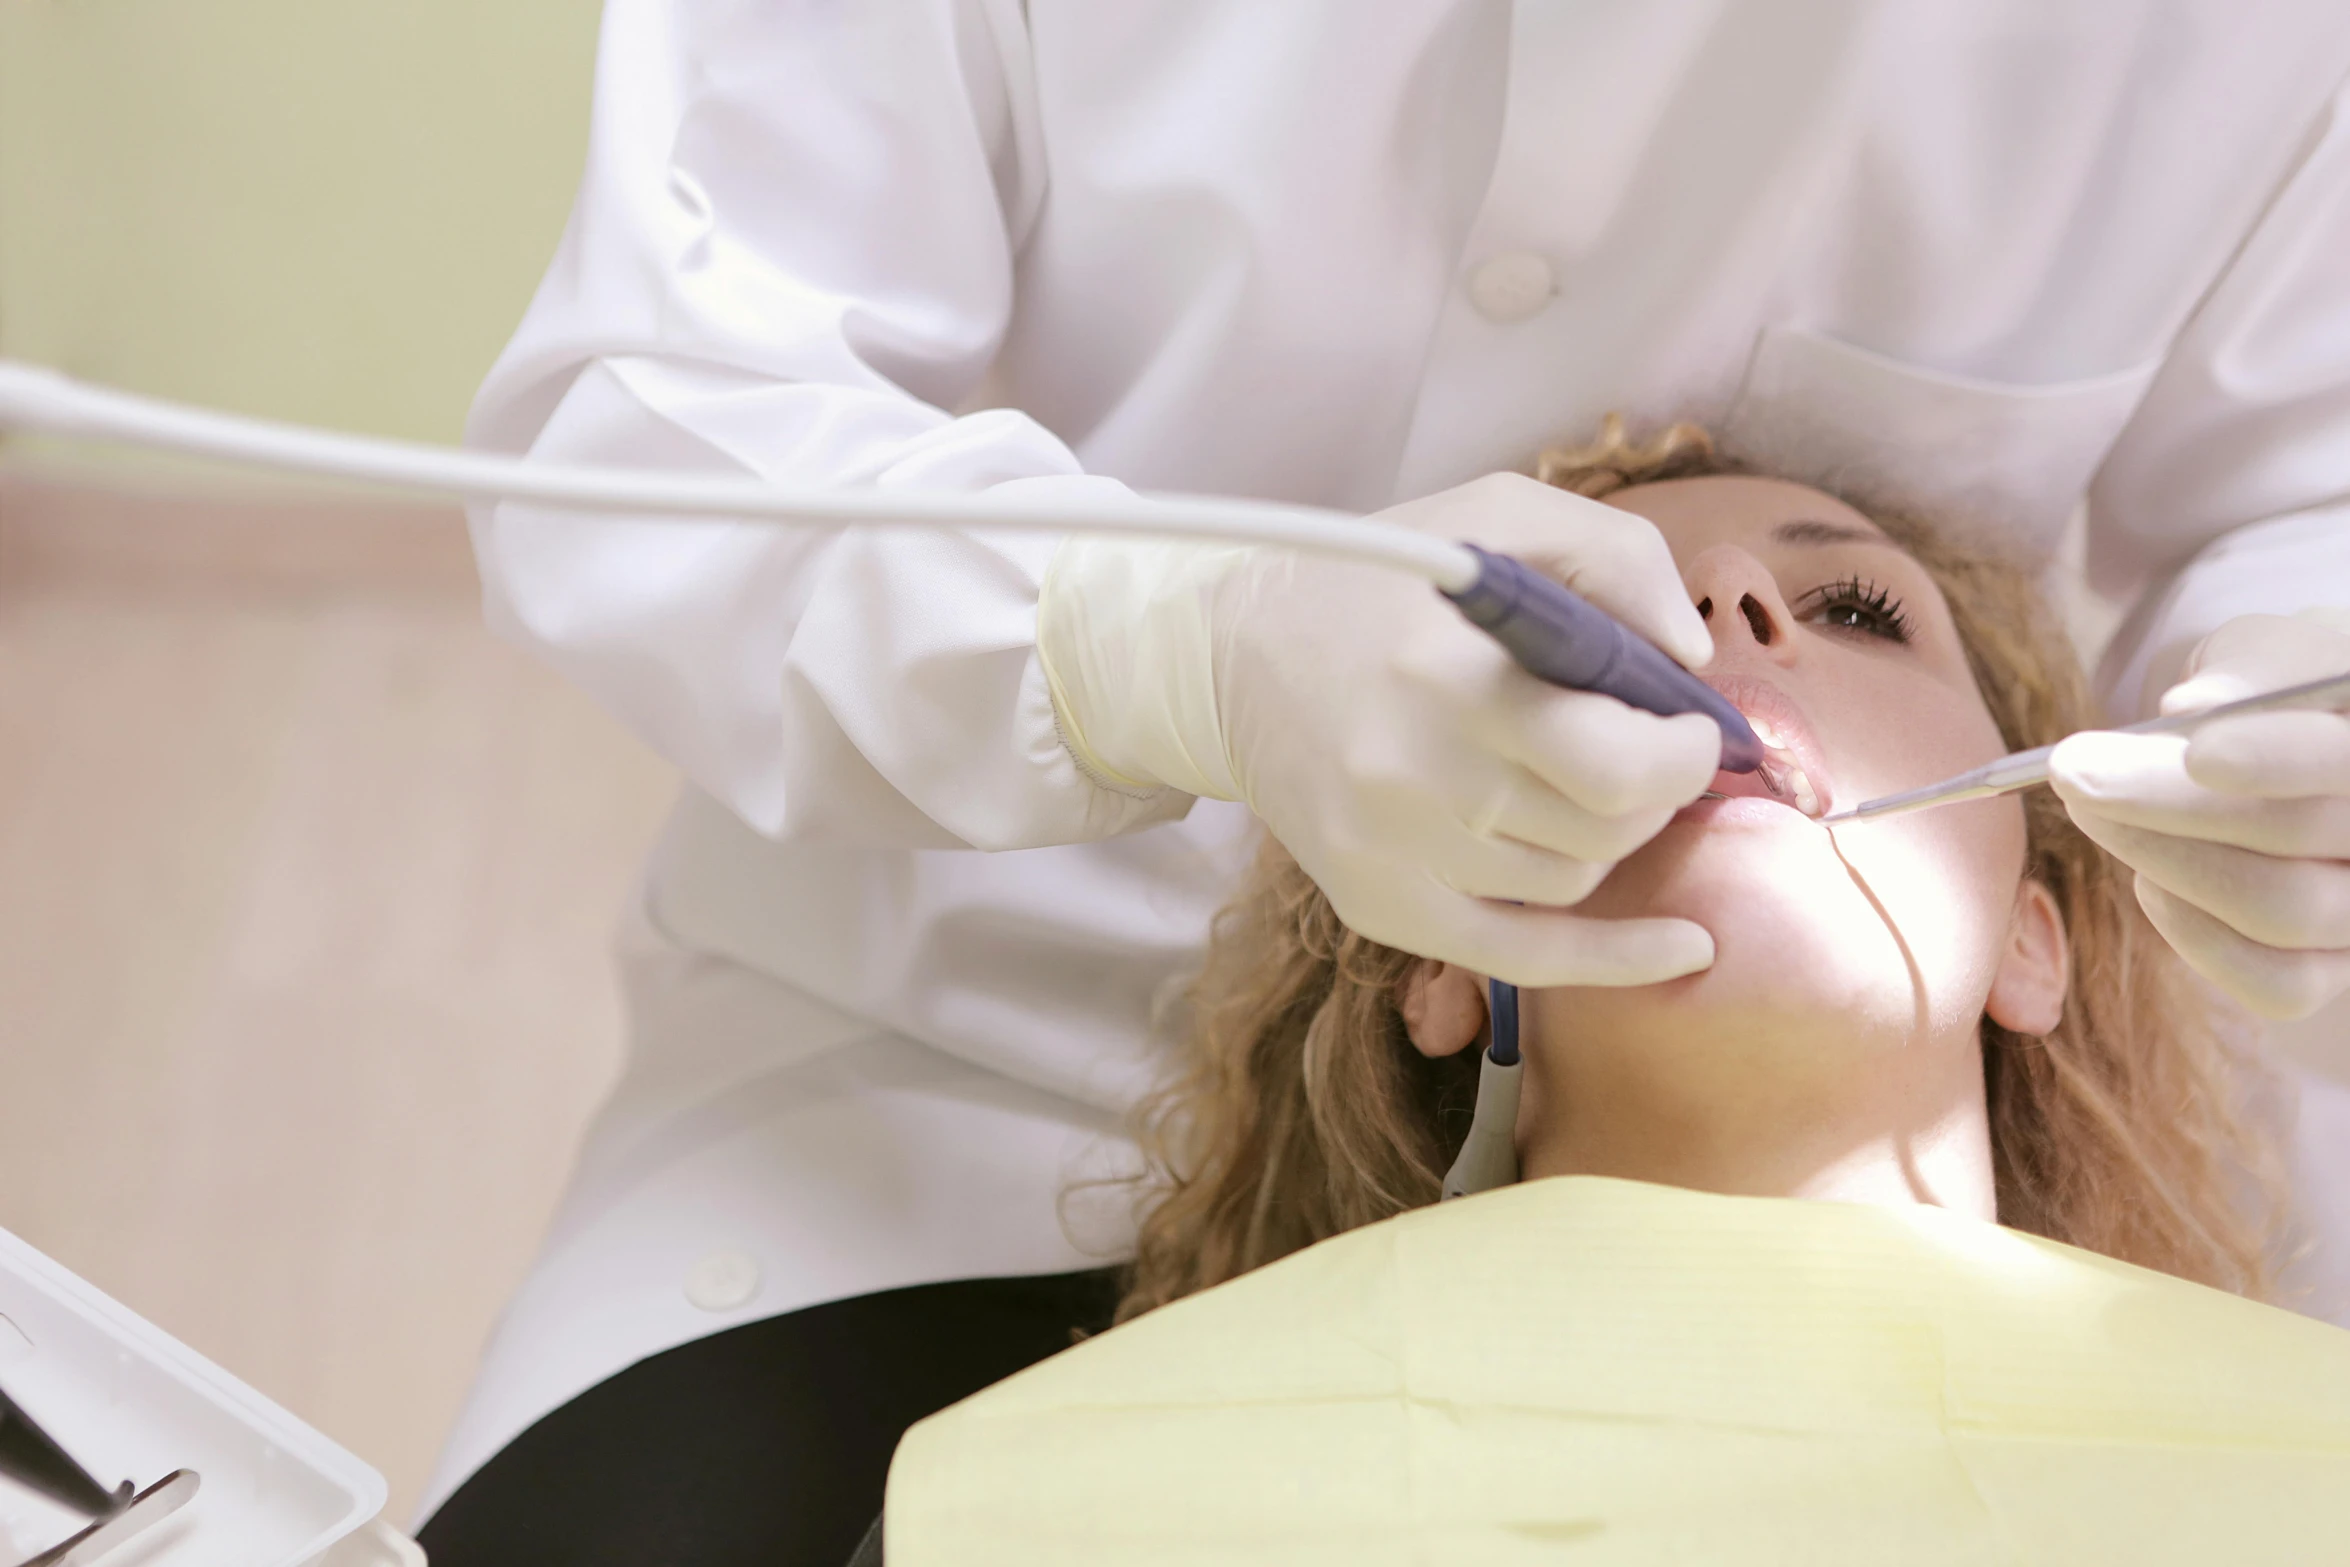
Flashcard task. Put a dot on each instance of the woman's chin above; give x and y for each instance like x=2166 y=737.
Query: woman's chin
x=1744 y=861
x=1793 y=933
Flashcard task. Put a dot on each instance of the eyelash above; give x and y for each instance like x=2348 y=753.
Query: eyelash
x=1871 y=608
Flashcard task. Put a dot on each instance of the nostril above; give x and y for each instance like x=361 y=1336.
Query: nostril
x=1705 y=609
x=1758 y=618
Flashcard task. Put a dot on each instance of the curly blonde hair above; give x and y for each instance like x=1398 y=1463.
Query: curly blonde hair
x=1299 y=1108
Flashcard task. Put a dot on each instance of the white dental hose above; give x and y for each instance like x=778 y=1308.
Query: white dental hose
x=33 y=397
x=1489 y=1153
x=1550 y=631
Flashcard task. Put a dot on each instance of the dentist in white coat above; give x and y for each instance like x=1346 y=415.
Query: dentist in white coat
x=892 y=970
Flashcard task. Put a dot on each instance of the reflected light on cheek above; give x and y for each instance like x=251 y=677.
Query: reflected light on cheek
x=1923 y=1015
x=1920 y=886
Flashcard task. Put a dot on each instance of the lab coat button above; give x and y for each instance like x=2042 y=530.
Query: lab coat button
x=723 y=1281
x=1511 y=286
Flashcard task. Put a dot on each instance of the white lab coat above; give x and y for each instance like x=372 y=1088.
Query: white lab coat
x=1988 y=258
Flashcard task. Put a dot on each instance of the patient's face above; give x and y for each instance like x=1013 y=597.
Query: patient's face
x=1841 y=648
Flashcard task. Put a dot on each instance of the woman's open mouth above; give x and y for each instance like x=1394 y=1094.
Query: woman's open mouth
x=1793 y=773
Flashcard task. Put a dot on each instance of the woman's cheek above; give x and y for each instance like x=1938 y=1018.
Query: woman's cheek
x=1902 y=927
x=1944 y=880
x=1794 y=937
x=1945 y=883
x=1898 y=730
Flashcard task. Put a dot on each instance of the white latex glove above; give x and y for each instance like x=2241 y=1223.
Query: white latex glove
x=2240 y=833
x=1417 y=774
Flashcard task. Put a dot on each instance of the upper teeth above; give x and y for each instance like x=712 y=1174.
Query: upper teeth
x=1807 y=799
x=1794 y=782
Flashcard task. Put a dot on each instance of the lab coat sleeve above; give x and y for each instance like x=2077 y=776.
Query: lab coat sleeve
x=791 y=252
x=2237 y=463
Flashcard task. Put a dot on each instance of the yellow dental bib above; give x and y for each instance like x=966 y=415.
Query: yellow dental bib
x=1603 y=1371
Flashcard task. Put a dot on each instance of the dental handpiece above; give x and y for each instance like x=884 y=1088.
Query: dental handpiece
x=1569 y=641
x=1549 y=630
x=2023 y=769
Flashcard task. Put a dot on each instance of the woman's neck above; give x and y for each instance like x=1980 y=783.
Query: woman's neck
x=1893 y=1135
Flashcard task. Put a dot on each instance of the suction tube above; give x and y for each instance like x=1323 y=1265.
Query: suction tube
x=1489 y=1155
x=1556 y=635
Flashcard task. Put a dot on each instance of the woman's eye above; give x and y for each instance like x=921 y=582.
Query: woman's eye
x=1854 y=604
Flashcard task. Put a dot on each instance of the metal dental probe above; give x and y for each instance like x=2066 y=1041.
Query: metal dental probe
x=135 y=1516
x=2025 y=768
x=32 y=1458
x=1552 y=632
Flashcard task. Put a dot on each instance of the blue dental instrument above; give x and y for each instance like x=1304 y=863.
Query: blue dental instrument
x=1569 y=641
x=1552 y=632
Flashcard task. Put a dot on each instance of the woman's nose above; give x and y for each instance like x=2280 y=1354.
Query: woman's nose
x=1739 y=601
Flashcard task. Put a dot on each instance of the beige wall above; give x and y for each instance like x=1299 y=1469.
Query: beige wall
x=305 y=882
x=306 y=887
x=331 y=210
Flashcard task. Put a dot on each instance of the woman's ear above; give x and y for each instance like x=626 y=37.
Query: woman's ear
x=2027 y=994
x=1443 y=1008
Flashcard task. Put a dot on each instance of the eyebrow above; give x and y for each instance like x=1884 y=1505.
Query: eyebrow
x=1813 y=532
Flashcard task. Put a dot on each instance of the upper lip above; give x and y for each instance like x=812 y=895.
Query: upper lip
x=1797 y=741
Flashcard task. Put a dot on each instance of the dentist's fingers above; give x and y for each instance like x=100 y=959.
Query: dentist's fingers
x=2150 y=781
x=2276 y=984
x=1393 y=750
x=1513 y=872
x=2254 y=654
x=1523 y=807
x=1547 y=947
x=2293 y=905
x=2278 y=756
x=1608 y=758
x=2241 y=835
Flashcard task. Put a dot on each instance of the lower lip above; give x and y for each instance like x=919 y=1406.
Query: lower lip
x=1738 y=810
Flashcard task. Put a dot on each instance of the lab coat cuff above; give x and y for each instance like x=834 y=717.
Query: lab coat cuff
x=1125 y=631
x=2279 y=566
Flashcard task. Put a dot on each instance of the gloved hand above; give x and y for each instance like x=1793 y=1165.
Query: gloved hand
x=2240 y=834
x=1416 y=773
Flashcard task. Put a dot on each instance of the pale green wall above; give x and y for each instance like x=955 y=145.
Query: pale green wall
x=327 y=210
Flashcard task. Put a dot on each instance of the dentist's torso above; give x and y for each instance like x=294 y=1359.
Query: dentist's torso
x=1978 y=259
